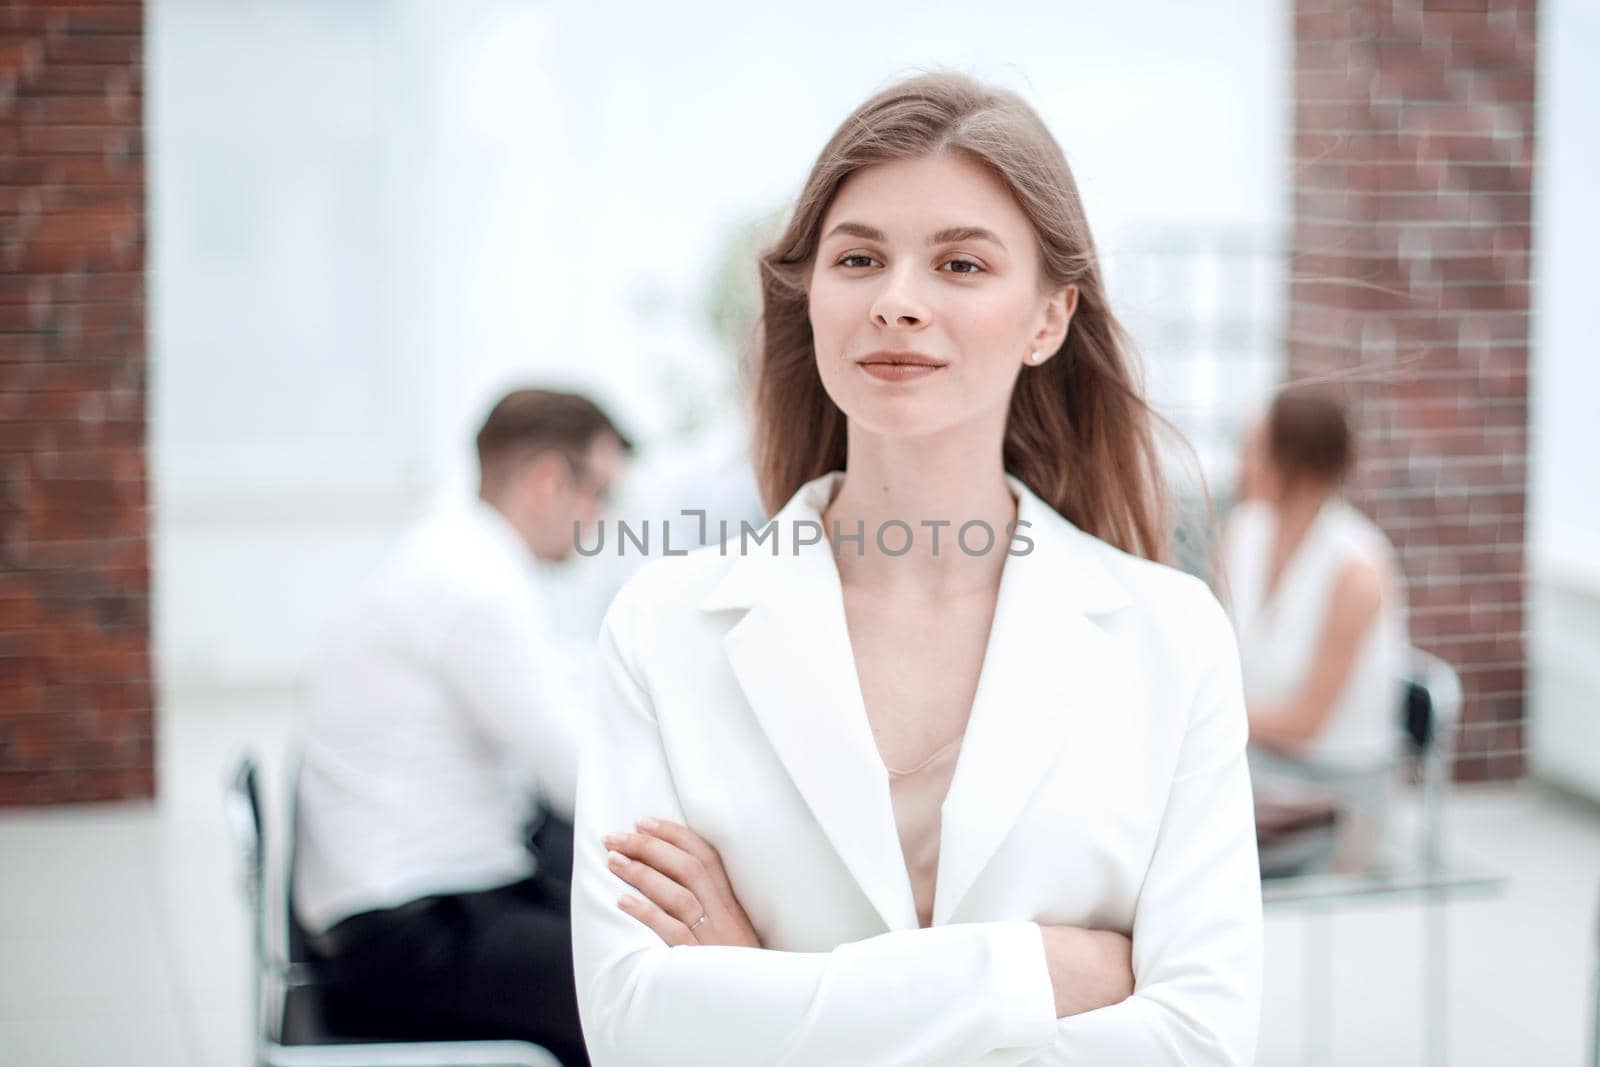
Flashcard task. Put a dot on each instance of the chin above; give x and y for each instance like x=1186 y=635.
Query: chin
x=901 y=414
x=904 y=416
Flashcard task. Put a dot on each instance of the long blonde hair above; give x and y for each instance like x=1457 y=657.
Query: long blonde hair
x=1079 y=432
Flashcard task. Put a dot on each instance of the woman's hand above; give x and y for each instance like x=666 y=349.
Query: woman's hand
x=688 y=899
x=682 y=879
x=1089 y=968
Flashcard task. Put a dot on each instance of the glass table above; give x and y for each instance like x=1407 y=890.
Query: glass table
x=1430 y=882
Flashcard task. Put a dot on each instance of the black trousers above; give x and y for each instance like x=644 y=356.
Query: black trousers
x=490 y=964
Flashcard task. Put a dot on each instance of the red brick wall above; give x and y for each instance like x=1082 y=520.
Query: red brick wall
x=77 y=717
x=1413 y=156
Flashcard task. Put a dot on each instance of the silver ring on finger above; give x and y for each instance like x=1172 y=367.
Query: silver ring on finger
x=697 y=922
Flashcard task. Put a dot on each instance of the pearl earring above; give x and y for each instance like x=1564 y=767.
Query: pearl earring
x=1033 y=357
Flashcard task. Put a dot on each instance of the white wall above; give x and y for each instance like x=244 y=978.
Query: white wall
x=1564 y=504
x=369 y=217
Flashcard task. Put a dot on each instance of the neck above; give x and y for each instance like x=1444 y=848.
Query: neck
x=930 y=480
x=1297 y=508
x=509 y=510
x=496 y=501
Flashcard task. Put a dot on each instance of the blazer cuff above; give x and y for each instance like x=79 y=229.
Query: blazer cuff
x=1022 y=976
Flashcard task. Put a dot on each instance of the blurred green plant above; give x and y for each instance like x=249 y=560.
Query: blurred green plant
x=733 y=291
x=697 y=391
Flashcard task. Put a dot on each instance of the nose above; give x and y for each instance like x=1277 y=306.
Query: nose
x=897 y=303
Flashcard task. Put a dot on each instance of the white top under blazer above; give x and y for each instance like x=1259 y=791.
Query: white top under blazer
x=1101 y=782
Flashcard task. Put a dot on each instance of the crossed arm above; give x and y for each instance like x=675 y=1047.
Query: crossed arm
x=975 y=993
x=686 y=897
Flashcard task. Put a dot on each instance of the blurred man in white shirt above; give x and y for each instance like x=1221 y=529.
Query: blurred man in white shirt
x=444 y=721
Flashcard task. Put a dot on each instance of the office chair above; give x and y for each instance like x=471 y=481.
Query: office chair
x=286 y=999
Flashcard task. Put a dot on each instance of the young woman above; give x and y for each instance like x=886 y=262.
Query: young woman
x=947 y=766
x=1318 y=602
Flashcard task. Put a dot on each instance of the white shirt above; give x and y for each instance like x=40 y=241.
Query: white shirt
x=1101 y=782
x=1279 y=635
x=437 y=708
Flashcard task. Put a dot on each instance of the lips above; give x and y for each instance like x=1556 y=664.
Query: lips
x=899 y=358
x=899 y=366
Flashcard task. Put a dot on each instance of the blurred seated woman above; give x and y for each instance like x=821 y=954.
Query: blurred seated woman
x=1316 y=597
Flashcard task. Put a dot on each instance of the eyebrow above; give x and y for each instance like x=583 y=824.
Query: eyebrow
x=950 y=233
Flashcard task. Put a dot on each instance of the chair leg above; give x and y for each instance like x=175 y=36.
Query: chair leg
x=1436 y=979
x=1594 y=1038
x=1594 y=1050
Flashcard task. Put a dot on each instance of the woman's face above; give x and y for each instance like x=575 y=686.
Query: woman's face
x=928 y=260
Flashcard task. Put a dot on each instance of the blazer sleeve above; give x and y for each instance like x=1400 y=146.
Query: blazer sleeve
x=947 y=995
x=1197 y=937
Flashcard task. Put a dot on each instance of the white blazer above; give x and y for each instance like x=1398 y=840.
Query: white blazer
x=1101 y=782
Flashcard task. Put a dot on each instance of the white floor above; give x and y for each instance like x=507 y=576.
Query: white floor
x=122 y=936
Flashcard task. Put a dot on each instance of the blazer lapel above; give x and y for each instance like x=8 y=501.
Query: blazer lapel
x=791 y=654
x=1047 y=674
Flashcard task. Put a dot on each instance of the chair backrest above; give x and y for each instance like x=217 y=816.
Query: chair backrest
x=243 y=809
x=1432 y=701
x=1417 y=715
x=1432 y=709
x=298 y=946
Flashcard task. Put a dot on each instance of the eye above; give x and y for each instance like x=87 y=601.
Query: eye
x=967 y=266
x=846 y=261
